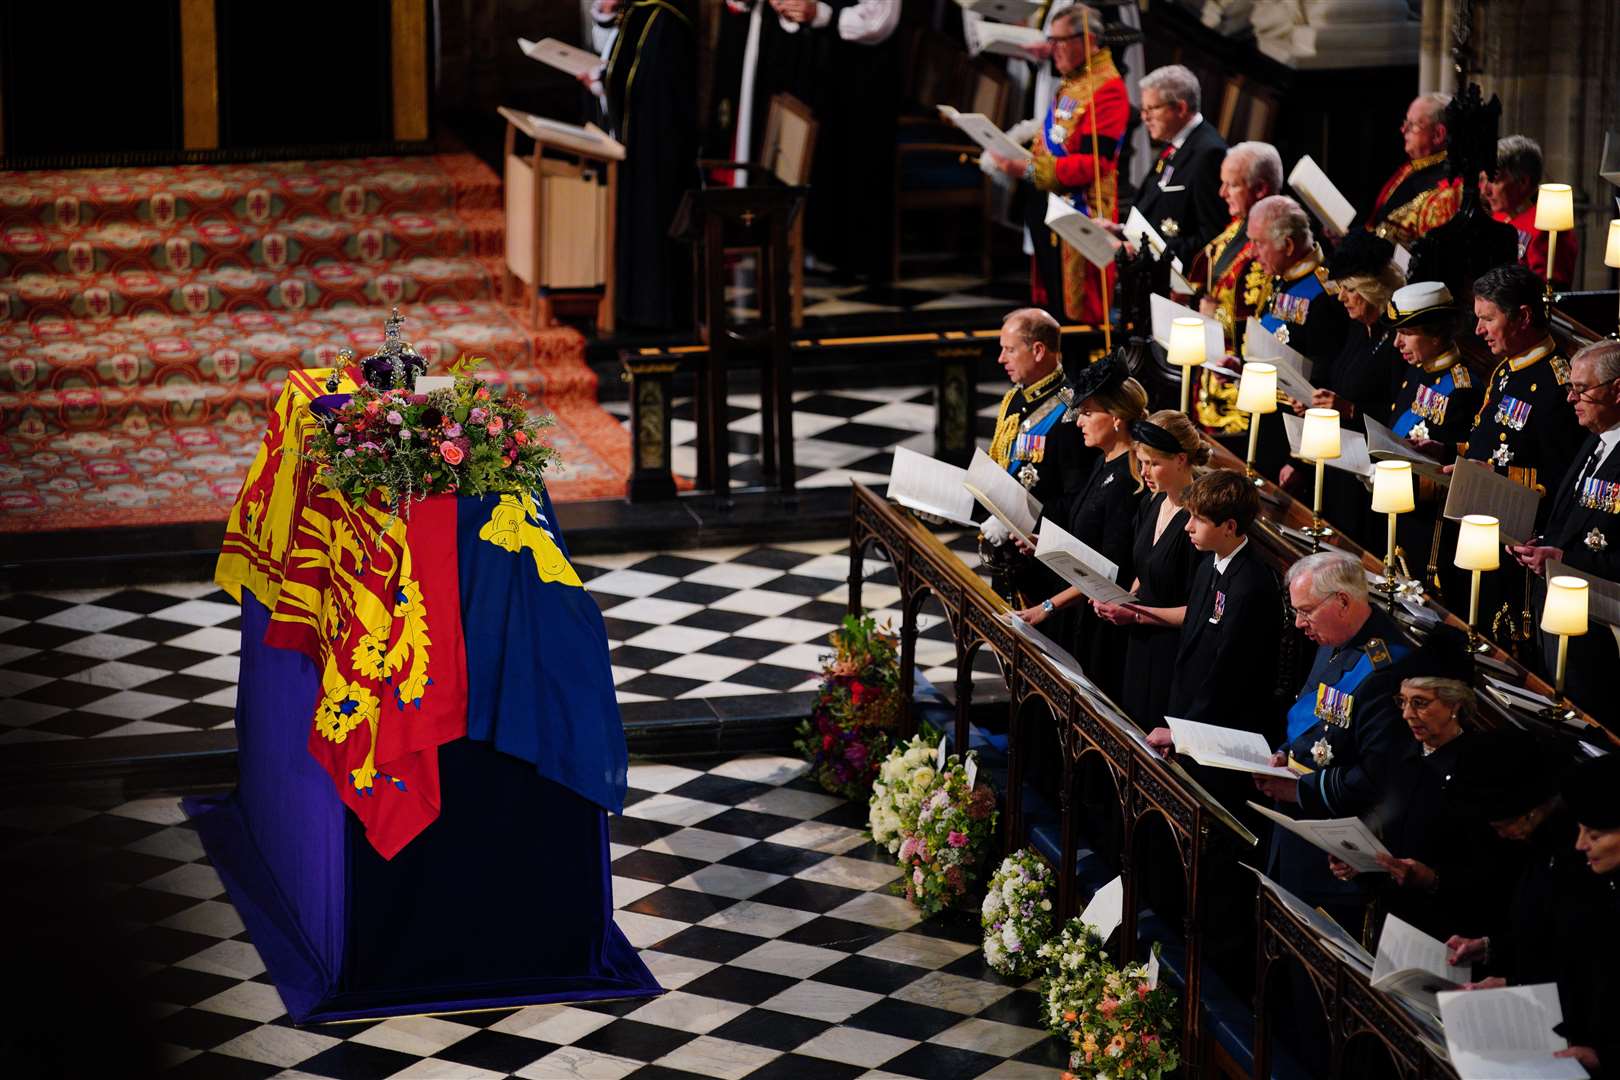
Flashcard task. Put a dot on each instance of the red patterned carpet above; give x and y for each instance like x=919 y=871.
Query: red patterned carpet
x=149 y=316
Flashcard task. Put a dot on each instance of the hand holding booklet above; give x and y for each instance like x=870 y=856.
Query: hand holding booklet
x=1225 y=748
x=1261 y=344
x=561 y=55
x=1006 y=498
x=982 y=130
x=1384 y=445
x=1412 y=965
x=1346 y=839
x=1353 y=456
x=1095 y=243
x=1477 y=488
x=1508 y=1031
x=1080 y=566
x=1004 y=38
x=1315 y=190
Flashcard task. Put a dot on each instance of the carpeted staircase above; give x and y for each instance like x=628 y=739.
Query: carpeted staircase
x=148 y=317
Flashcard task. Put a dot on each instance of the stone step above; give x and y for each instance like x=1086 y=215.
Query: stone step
x=232 y=349
x=257 y=193
x=215 y=243
x=124 y=293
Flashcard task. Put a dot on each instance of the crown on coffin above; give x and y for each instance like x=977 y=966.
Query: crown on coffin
x=395 y=365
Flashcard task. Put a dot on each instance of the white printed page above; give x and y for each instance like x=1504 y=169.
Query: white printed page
x=1224 y=747
x=1003 y=496
x=930 y=486
x=1480 y=489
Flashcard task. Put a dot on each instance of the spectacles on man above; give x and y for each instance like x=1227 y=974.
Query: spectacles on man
x=1145 y=109
x=1576 y=391
x=1308 y=613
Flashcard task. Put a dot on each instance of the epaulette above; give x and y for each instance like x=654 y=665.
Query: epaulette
x=1560 y=368
x=1378 y=653
x=1461 y=378
x=1321 y=274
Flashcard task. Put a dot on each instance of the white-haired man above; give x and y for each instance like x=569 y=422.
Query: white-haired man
x=1419 y=197
x=1181 y=195
x=1251 y=171
x=1285 y=285
x=1344 y=728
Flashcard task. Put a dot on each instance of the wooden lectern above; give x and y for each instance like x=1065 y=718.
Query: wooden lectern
x=717 y=220
x=560 y=214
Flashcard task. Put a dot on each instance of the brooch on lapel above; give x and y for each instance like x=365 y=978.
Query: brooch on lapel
x=1502 y=455
x=1322 y=753
x=1170 y=227
x=1109 y=479
x=1029 y=476
x=1596 y=541
x=1419 y=430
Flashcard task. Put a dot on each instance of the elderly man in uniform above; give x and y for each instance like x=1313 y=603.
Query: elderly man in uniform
x=1511 y=198
x=1075 y=156
x=1526 y=428
x=1251 y=171
x=1418 y=197
x=1286 y=282
x=1034 y=444
x=1181 y=196
x=1344 y=728
x=1583 y=527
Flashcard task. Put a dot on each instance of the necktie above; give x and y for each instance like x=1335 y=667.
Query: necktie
x=1590 y=467
x=1164 y=156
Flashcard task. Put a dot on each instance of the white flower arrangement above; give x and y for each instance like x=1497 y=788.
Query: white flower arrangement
x=1017 y=914
x=897 y=794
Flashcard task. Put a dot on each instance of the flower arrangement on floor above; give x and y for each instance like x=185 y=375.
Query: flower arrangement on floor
x=937 y=819
x=851 y=725
x=1116 y=1022
x=1017 y=914
x=404 y=445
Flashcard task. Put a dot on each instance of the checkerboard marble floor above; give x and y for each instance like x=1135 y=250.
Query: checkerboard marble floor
x=753 y=897
x=711 y=622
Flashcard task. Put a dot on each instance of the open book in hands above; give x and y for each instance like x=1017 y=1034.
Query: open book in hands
x=1225 y=748
x=1412 y=965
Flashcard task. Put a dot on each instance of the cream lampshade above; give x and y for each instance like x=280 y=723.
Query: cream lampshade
x=1478 y=546
x=1555 y=208
x=1392 y=487
x=1611 y=254
x=1257 y=386
x=1186 y=352
x=1319 y=441
x=1564 y=613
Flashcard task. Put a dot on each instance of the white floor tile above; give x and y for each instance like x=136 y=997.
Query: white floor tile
x=630 y=583
x=676 y=639
x=647 y=609
x=703 y=666
x=198 y=613
x=131 y=705
x=759 y=602
x=89 y=617
x=787 y=631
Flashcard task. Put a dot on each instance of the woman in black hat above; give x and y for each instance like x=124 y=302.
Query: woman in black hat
x=1440 y=873
x=1168 y=448
x=1590 y=995
x=1106 y=400
x=1507 y=779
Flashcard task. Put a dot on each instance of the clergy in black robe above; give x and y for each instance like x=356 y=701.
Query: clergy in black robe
x=651 y=89
x=1583 y=530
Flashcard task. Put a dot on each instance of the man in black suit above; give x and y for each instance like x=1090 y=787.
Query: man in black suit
x=1181 y=195
x=1583 y=527
x=1226 y=664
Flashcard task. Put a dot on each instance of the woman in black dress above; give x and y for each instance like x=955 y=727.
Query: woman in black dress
x=1168 y=448
x=1103 y=516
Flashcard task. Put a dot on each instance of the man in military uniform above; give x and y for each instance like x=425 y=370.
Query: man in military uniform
x=1511 y=198
x=1181 y=196
x=1251 y=172
x=1075 y=156
x=1034 y=445
x=1583 y=528
x=1526 y=428
x=1419 y=197
x=1285 y=283
x=1343 y=730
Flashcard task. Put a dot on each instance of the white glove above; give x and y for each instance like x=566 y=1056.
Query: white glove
x=1023 y=131
x=988 y=166
x=994 y=531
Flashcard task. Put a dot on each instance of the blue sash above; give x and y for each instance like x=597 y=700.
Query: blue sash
x=1302 y=717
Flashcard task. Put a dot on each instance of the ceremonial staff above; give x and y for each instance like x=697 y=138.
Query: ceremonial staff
x=1096 y=177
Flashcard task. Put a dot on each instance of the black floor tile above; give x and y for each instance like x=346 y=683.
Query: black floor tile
x=39 y=636
x=150 y=629
x=1021 y=1008
x=934 y=1062
x=138 y=601
x=31 y=606
x=168 y=657
x=748 y=823
x=727 y=622
x=658 y=686
x=78 y=725
x=220 y=1067
x=870 y=973
x=798 y=584
x=69 y=695
x=675 y=566
x=655 y=865
x=686 y=905
x=56 y=665
x=775 y=858
x=634 y=656
x=162 y=945
x=693 y=592
x=849 y=815
x=194 y=714
x=741 y=648
x=904 y=1019
x=769 y=676
x=806 y=895
x=830 y=933
x=797 y=1067
x=834 y=405
x=356 y=1061
x=720 y=789
x=633 y=1039
x=740 y=984
x=707 y=943
x=623 y=629
x=873 y=435
x=765 y=1027
x=184 y=687
x=773 y=558
x=496 y=1050
x=634 y=832
x=200 y=1030
x=181 y=986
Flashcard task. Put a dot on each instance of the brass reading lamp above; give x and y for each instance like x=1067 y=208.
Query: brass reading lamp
x=1319 y=442
x=1186 y=352
x=1564 y=614
x=1611 y=257
x=1257 y=395
x=1392 y=495
x=1479 y=548
x=1555 y=213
